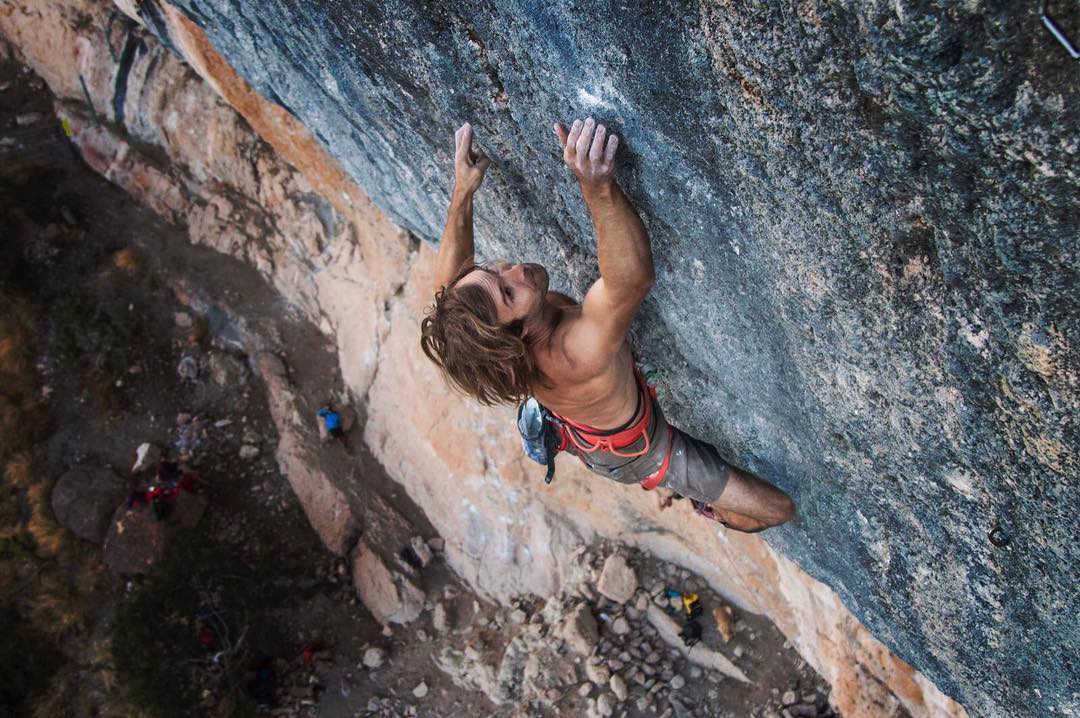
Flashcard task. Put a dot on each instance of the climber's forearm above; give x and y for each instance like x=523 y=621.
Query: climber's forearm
x=456 y=246
x=622 y=244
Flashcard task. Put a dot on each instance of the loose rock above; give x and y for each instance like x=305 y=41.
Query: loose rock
x=374 y=657
x=438 y=618
x=188 y=369
x=579 y=630
x=146 y=457
x=617 y=580
x=422 y=550
x=598 y=673
x=618 y=687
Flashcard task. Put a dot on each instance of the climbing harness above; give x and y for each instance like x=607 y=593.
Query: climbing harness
x=588 y=440
x=544 y=434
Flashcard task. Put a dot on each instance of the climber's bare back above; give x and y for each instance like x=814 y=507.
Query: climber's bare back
x=604 y=398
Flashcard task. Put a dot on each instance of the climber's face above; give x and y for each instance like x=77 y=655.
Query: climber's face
x=518 y=290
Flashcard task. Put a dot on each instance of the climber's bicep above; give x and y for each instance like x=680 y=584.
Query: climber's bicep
x=594 y=338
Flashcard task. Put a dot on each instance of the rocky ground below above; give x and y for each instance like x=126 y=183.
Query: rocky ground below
x=222 y=596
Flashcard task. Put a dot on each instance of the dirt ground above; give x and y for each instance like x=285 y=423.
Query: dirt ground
x=124 y=361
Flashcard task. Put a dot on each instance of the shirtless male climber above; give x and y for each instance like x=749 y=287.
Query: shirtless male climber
x=499 y=335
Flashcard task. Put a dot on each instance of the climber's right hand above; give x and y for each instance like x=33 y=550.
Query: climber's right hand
x=469 y=164
x=586 y=154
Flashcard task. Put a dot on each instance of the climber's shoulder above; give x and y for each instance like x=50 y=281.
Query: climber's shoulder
x=584 y=389
x=571 y=354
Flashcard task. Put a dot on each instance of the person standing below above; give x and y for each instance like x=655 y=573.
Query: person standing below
x=500 y=335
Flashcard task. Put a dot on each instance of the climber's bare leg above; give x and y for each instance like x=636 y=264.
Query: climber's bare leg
x=751 y=504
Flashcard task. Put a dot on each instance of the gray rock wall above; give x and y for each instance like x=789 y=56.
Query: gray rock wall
x=865 y=226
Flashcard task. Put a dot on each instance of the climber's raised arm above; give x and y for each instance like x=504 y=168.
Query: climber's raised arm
x=622 y=246
x=456 y=246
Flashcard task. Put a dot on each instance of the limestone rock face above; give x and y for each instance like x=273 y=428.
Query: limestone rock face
x=390 y=596
x=864 y=221
x=84 y=498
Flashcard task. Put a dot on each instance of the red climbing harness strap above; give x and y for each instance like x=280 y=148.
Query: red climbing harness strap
x=653 y=480
x=587 y=440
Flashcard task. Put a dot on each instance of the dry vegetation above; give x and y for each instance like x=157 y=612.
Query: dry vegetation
x=46 y=575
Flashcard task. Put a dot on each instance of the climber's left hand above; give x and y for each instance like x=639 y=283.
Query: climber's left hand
x=469 y=164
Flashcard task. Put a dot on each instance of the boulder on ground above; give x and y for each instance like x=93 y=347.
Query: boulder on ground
x=188 y=509
x=226 y=370
x=389 y=595
x=84 y=498
x=617 y=580
x=137 y=538
x=579 y=630
x=188 y=368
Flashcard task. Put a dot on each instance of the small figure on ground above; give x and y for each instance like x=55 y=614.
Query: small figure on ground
x=501 y=336
x=332 y=423
x=169 y=480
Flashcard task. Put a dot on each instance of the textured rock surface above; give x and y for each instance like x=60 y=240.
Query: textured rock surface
x=864 y=224
x=326 y=506
x=390 y=596
x=85 y=498
x=579 y=630
x=617 y=579
x=137 y=539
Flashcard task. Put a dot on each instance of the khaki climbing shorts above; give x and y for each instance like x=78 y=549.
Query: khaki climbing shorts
x=695 y=469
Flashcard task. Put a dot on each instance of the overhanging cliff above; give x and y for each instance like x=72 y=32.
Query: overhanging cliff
x=865 y=229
